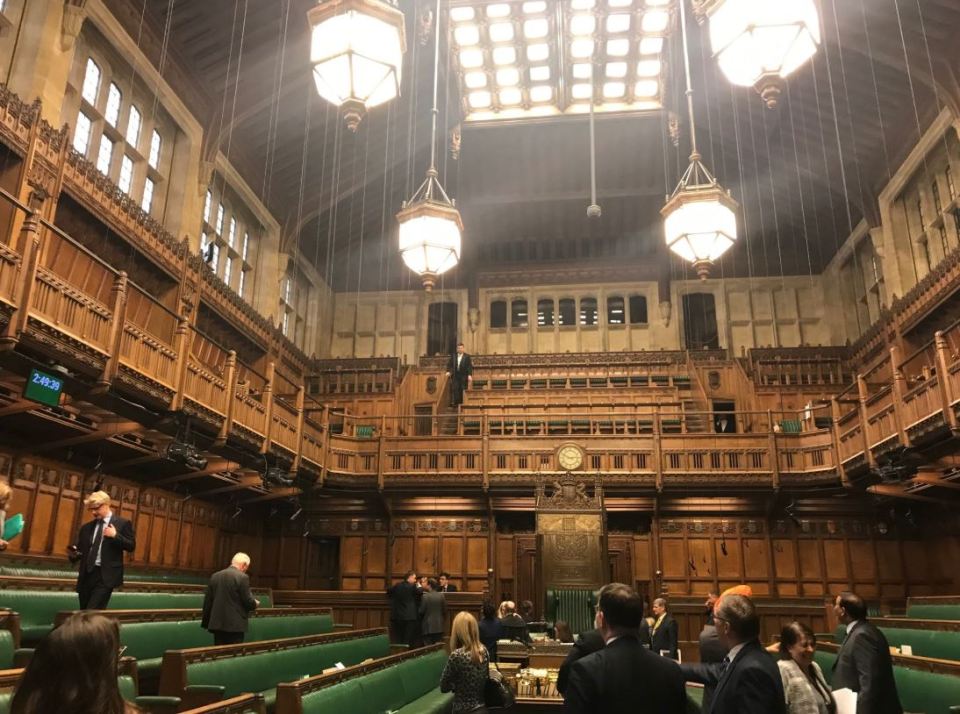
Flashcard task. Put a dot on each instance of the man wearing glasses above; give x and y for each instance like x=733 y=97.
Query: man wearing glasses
x=99 y=551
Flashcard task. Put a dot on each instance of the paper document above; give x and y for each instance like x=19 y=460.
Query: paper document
x=846 y=700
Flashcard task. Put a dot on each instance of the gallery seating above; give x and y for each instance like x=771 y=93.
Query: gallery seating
x=946 y=607
x=129 y=575
x=405 y=683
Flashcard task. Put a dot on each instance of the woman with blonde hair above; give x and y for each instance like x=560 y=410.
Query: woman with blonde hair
x=467 y=668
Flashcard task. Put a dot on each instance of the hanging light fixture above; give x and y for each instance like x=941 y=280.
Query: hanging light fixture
x=430 y=224
x=356 y=49
x=699 y=218
x=758 y=43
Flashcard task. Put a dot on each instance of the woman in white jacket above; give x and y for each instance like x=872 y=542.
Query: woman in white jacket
x=806 y=691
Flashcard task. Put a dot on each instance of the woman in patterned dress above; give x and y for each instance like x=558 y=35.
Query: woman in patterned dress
x=466 y=671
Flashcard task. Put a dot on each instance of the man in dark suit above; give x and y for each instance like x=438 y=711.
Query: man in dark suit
x=433 y=613
x=586 y=643
x=747 y=681
x=405 y=609
x=460 y=369
x=228 y=602
x=664 y=637
x=623 y=677
x=863 y=663
x=445 y=585
x=99 y=550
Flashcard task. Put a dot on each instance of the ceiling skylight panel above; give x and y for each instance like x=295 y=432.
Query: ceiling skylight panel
x=541 y=93
x=534 y=8
x=508 y=77
x=618 y=22
x=655 y=21
x=467 y=35
x=501 y=31
x=510 y=96
x=461 y=14
x=583 y=24
x=581 y=48
x=475 y=80
x=540 y=73
x=538 y=52
x=469 y=59
x=479 y=100
x=619 y=47
x=617 y=69
x=504 y=55
x=651 y=45
x=536 y=28
x=498 y=10
x=582 y=70
x=648 y=68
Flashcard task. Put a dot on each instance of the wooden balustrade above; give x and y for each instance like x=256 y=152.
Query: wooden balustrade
x=70 y=311
x=147 y=355
x=206 y=390
x=9 y=269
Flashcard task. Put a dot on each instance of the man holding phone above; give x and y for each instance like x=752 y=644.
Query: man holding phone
x=99 y=550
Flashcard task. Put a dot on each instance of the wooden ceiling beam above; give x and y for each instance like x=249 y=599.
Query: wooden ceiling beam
x=213 y=466
x=930 y=478
x=112 y=429
x=898 y=492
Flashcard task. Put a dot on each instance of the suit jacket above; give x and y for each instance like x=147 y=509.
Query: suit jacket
x=433 y=611
x=460 y=374
x=515 y=628
x=712 y=651
x=587 y=643
x=665 y=637
x=228 y=601
x=451 y=588
x=864 y=665
x=111 y=550
x=801 y=694
x=625 y=678
x=750 y=684
x=404 y=601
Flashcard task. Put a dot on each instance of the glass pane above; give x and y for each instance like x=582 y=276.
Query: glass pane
x=112 y=113
x=498 y=313
x=568 y=312
x=147 y=203
x=91 y=82
x=246 y=246
x=518 y=313
x=638 y=310
x=81 y=137
x=104 y=155
x=231 y=237
x=227 y=270
x=615 y=314
x=133 y=127
x=588 y=311
x=545 y=317
x=206 y=207
x=219 y=226
x=126 y=174
x=243 y=280
x=155 y=143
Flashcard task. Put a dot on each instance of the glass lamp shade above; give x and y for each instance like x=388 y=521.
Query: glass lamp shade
x=356 y=49
x=700 y=225
x=430 y=233
x=758 y=43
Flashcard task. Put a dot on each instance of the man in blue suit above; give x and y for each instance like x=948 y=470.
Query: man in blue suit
x=747 y=681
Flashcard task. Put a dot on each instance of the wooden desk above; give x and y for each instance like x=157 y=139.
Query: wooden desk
x=541 y=655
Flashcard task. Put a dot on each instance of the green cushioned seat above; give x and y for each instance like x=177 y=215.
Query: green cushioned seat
x=6 y=649
x=791 y=426
x=479 y=384
x=5 y=699
x=919 y=691
x=70 y=572
x=38 y=608
x=433 y=702
x=694 y=699
x=364 y=431
x=341 y=697
x=128 y=689
x=924 y=643
x=926 y=611
x=261 y=672
x=383 y=689
x=421 y=675
x=538 y=384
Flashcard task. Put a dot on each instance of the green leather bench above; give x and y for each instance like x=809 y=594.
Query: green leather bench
x=407 y=683
x=38 y=608
x=924 y=642
x=933 y=608
x=147 y=641
x=203 y=675
x=70 y=573
x=244 y=704
x=919 y=690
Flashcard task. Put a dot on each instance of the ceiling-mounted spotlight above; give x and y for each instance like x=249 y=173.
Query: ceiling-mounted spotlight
x=275 y=476
x=186 y=454
x=298 y=509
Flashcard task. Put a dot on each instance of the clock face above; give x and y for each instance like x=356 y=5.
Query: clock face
x=569 y=457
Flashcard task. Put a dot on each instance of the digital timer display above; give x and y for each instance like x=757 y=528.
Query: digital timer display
x=43 y=388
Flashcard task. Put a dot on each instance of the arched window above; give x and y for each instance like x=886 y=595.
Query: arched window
x=114 y=98
x=615 y=314
x=638 y=310
x=91 y=81
x=567 y=312
x=588 y=311
x=518 y=314
x=498 y=314
x=545 y=316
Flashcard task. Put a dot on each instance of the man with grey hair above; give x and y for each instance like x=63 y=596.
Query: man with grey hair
x=99 y=551
x=228 y=602
x=747 y=681
x=664 y=635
